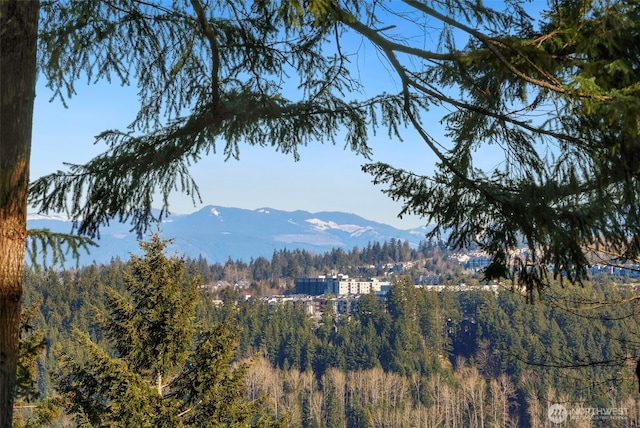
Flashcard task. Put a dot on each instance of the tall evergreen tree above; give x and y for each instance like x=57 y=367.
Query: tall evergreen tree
x=18 y=36
x=162 y=373
x=553 y=98
x=157 y=317
x=206 y=71
x=216 y=71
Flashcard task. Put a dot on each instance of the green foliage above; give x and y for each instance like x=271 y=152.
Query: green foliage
x=41 y=241
x=213 y=390
x=161 y=372
x=105 y=390
x=156 y=316
x=564 y=185
x=226 y=64
x=553 y=99
x=32 y=344
x=40 y=413
x=422 y=342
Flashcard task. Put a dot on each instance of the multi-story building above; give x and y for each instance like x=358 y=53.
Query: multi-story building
x=338 y=285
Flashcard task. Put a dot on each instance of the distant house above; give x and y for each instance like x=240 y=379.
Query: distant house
x=307 y=303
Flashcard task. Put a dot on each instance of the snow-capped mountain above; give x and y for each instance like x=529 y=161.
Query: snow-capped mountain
x=219 y=233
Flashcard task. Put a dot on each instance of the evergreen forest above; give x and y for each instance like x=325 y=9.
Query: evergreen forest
x=414 y=358
x=530 y=113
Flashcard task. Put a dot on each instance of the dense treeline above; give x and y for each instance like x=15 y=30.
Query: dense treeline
x=421 y=334
x=428 y=262
x=416 y=358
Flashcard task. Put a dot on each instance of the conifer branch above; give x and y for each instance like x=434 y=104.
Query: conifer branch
x=60 y=245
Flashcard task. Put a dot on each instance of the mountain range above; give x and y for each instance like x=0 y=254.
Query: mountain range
x=222 y=233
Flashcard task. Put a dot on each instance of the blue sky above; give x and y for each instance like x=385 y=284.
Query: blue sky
x=327 y=177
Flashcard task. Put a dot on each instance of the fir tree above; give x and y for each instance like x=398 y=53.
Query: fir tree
x=164 y=371
x=211 y=76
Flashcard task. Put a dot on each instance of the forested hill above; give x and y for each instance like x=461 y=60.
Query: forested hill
x=447 y=358
x=219 y=233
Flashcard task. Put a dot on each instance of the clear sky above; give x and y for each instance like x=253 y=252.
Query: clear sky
x=327 y=177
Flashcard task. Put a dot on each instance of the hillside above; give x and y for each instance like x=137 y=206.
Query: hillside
x=219 y=233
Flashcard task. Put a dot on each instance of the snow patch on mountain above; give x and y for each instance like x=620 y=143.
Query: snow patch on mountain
x=46 y=217
x=352 y=229
x=239 y=233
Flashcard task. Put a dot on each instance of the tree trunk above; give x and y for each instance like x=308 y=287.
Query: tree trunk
x=18 y=35
x=159 y=383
